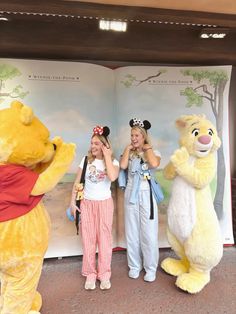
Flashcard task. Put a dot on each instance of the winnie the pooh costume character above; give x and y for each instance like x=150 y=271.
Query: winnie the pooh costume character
x=193 y=229
x=30 y=165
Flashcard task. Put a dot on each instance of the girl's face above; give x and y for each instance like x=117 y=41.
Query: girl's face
x=137 y=138
x=96 y=147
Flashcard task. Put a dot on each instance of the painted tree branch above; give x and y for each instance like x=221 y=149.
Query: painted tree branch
x=211 y=99
x=204 y=88
x=147 y=79
x=4 y=94
x=215 y=107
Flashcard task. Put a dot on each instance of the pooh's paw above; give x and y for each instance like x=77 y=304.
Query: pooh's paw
x=192 y=282
x=180 y=157
x=57 y=140
x=174 y=267
x=66 y=152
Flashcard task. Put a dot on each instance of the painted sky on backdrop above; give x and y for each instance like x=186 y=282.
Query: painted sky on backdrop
x=72 y=97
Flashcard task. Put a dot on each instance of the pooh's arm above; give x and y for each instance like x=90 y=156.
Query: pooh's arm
x=169 y=171
x=49 y=178
x=198 y=174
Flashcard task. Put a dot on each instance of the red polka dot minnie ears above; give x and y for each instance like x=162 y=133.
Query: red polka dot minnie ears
x=101 y=130
x=142 y=124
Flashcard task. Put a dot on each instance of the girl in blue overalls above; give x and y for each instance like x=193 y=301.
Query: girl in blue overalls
x=141 y=227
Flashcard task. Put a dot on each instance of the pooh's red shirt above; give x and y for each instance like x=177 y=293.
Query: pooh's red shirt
x=16 y=184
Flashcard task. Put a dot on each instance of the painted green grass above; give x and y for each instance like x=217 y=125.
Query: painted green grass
x=68 y=177
x=165 y=185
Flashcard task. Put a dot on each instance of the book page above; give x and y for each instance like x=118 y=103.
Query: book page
x=161 y=94
x=70 y=98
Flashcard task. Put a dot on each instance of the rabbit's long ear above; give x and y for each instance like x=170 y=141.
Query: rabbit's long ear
x=185 y=120
x=181 y=122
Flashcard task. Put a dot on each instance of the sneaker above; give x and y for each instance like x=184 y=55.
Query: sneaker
x=89 y=285
x=105 y=284
x=134 y=274
x=150 y=277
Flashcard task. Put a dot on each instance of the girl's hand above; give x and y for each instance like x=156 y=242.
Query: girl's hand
x=129 y=147
x=74 y=208
x=107 y=152
x=146 y=147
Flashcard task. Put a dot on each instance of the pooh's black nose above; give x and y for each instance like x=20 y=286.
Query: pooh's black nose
x=54 y=146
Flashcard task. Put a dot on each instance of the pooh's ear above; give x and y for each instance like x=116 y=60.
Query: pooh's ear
x=16 y=105
x=26 y=115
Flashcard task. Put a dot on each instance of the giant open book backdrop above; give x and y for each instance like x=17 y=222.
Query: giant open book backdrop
x=71 y=98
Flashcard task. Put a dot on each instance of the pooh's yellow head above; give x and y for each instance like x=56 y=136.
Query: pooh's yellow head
x=24 y=140
x=198 y=135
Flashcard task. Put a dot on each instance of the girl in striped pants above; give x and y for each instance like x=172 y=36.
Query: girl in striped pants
x=97 y=209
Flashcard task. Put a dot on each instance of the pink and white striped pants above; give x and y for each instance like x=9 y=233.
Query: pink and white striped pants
x=96 y=231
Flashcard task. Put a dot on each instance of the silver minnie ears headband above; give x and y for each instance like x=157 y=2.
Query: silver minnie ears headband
x=142 y=124
x=101 y=130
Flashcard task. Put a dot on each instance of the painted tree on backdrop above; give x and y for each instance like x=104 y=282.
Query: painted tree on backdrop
x=214 y=96
x=131 y=80
x=8 y=72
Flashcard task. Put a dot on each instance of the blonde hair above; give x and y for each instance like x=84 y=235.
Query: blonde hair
x=104 y=140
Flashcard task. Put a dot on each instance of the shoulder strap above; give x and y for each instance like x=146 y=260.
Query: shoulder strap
x=82 y=179
x=151 y=198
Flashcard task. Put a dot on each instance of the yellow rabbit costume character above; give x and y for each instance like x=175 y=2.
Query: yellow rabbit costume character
x=30 y=165
x=193 y=229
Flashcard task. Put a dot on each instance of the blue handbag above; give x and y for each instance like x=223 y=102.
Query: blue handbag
x=122 y=179
x=157 y=190
x=69 y=214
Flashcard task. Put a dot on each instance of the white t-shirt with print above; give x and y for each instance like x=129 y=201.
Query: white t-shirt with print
x=97 y=184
